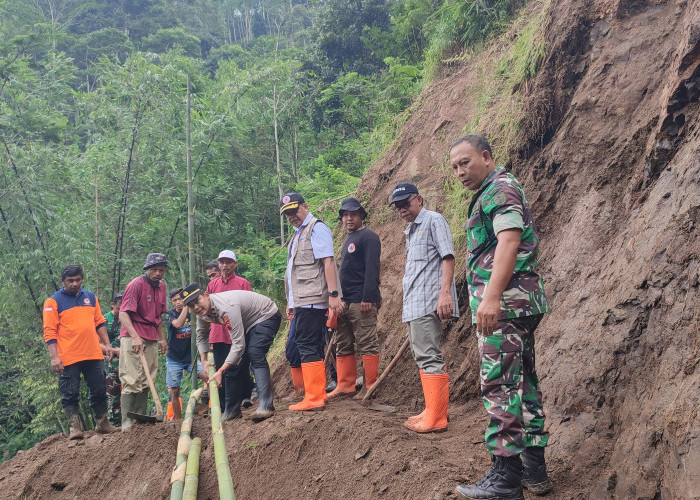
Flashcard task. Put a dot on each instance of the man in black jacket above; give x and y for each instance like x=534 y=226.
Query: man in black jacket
x=359 y=282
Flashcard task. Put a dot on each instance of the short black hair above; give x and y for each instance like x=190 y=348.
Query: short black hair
x=212 y=265
x=175 y=291
x=478 y=141
x=71 y=270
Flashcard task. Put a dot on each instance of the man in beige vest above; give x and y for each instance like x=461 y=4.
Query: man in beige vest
x=312 y=287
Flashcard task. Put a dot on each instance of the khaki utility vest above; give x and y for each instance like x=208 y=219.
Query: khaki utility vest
x=308 y=278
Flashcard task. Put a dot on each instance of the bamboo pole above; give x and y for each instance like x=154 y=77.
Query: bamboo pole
x=190 y=221
x=177 y=479
x=223 y=471
x=192 y=477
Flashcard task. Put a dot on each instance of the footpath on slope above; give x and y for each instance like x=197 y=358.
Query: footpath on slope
x=346 y=451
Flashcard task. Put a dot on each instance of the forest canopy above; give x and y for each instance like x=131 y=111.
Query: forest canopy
x=286 y=96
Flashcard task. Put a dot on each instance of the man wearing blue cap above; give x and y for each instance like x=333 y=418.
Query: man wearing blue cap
x=312 y=287
x=429 y=295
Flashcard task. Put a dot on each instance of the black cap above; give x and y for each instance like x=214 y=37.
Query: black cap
x=155 y=259
x=403 y=191
x=291 y=200
x=351 y=205
x=191 y=292
x=117 y=297
x=174 y=292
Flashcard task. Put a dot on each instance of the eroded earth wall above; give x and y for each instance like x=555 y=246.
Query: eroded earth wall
x=610 y=158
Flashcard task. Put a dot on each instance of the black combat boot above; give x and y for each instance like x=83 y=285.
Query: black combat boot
x=503 y=481
x=535 y=477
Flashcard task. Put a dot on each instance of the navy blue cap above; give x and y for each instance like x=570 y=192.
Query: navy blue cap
x=291 y=200
x=190 y=292
x=403 y=191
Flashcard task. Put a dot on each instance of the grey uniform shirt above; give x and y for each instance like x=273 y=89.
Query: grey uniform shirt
x=428 y=242
x=238 y=311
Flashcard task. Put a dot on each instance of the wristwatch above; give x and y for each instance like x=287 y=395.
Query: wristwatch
x=333 y=293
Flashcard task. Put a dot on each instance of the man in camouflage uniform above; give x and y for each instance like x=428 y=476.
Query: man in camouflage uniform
x=507 y=301
x=114 y=385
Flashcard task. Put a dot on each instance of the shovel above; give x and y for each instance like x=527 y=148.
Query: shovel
x=148 y=419
x=367 y=401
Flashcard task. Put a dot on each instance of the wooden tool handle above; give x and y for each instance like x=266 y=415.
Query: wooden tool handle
x=386 y=371
x=151 y=385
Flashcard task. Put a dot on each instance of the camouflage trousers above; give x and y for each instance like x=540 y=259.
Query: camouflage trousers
x=114 y=390
x=510 y=388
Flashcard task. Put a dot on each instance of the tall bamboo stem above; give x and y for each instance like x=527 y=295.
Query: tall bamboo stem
x=223 y=471
x=190 y=221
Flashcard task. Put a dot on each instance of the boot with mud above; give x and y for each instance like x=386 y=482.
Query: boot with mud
x=501 y=482
x=265 y=408
x=535 y=478
x=103 y=426
x=436 y=390
x=141 y=402
x=75 y=427
x=347 y=373
x=231 y=413
x=370 y=362
x=314 y=387
x=128 y=401
x=416 y=418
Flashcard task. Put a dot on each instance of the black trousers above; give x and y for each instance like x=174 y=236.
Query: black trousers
x=310 y=327
x=259 y=339
x=236 y=382
x=93 y=371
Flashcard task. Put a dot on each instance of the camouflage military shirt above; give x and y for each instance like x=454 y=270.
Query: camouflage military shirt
x=500 y=204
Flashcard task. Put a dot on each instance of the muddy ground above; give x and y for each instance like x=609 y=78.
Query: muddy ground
x=344 y=451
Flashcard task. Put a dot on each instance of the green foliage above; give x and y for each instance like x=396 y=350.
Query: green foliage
x=500 y=108
x=92 y=133
x=466 y=22
x=172 y=38
x=339 y=29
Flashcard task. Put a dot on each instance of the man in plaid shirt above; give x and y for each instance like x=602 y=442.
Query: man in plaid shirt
x=429 y=295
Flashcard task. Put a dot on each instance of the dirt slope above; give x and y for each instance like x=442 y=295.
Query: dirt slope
x=609 y=158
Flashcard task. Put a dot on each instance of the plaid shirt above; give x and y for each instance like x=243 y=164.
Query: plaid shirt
x=428 y=242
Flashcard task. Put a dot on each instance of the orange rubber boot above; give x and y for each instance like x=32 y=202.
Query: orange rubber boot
x=298 y=381
x=436 y=389
x=371 y=365
x=347 y=373
x=420 y=416
x=314 y=387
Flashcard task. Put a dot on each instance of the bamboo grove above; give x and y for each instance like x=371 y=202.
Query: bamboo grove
x=285 y=96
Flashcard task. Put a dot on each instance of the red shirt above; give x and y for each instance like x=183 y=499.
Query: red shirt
x=218 y=333
x=145 y=304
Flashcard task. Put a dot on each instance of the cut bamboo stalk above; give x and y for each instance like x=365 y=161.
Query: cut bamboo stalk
x=192 y=477
x=177 y=479
x=223 y=471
